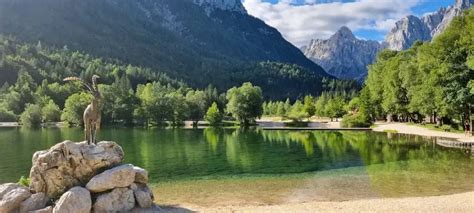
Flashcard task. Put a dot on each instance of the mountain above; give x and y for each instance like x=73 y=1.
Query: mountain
x=411 y=28
x=199 y=41
x=343 y=55
x=346 y=57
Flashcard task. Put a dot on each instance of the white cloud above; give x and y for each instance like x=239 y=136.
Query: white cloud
x=321 y=18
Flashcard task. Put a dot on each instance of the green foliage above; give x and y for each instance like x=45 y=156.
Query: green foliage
x=31 y=117
x=51 y=112
x=245 y=103
x=196 y=101
x=24 y=181
x=7 y=116
x=213 y=115
x=309 y=106
x=74 y=108
x=355 y=120
x=297 y=112
x=429 y=79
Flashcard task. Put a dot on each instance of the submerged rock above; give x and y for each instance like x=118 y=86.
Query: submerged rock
x=118 y=200
x=120 y=176
x=77 y=200
x=70 y=164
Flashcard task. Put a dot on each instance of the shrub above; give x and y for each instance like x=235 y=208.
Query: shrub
x=446 y=128
x=31 y=117
x=51 y=112
x=213 y=115
x=355 y=120
x=24 y=181
x=7 y=116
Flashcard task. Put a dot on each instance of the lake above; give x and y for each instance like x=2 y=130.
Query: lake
x=234 y=166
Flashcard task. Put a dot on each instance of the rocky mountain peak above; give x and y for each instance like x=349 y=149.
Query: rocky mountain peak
x=463 y=4
x=343 y=55
x=343 y=33
x=412 y=28
x=229 y=5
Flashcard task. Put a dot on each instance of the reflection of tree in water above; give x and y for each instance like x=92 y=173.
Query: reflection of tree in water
x=213 y=137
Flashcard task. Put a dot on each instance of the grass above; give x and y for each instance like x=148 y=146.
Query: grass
x=390 y=131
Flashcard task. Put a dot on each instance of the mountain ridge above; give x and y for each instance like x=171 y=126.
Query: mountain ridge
x=183 y=38
x=343 y=55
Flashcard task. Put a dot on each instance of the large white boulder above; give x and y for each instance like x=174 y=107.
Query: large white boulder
x=77 y=200
x=118 y=177
x=70 y=164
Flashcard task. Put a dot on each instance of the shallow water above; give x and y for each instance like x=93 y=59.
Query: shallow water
x=296 y=165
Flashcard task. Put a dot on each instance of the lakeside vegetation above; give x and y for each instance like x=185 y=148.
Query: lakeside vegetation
x=432 y=79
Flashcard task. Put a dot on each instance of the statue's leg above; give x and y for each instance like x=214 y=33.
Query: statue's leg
x=97 y=128
x=86 y=131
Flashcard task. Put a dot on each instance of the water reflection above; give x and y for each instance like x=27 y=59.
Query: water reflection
x=175 y=154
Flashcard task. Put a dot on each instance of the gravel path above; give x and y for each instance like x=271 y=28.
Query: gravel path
x=416 y=130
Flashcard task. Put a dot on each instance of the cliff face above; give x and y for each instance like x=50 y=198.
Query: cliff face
x=343 y=55
x=412 y=28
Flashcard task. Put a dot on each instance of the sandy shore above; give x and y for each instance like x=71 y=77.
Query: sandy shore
x=448 y=203
x=416 y=130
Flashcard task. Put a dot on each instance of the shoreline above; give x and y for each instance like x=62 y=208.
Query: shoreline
x=404 y=128
x=461 y=202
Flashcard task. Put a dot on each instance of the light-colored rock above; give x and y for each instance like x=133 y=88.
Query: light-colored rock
x=141 y=175
x=12 y=195
x=48 y=209
x=35 y=202
x=154 y=208
x=118 y=200
x=343 y=55
x=143 y=195
x=77 y=200
x=411 y=28
x=120 y=176
x=7 y=187
x=69 y=164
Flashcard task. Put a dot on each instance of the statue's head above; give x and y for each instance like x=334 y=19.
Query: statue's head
x=96 y=92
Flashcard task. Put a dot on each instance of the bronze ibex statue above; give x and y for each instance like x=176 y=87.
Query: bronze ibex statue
x=92 y=116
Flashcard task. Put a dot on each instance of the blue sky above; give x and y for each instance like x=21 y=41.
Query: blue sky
x=302 y=20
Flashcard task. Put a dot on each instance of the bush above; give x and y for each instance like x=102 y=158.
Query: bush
x=24 y=181
x=51 y=112
x=31 y=117
x=7 y=116
x=213 y=115
x=355 y=120
x=446 y=128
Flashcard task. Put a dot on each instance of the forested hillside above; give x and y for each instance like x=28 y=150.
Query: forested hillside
x=179 y=38
x=32 y=78
x=434 y=79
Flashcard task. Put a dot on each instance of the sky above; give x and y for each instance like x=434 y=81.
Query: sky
x=302 y=20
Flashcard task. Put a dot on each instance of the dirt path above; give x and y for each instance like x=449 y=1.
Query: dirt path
x=458 y=203
x=416 y=130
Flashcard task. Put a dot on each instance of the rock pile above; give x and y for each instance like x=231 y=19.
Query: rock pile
x=77 y=177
